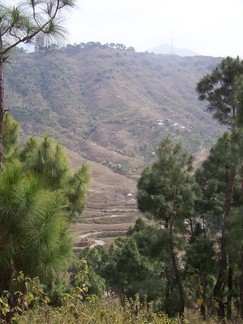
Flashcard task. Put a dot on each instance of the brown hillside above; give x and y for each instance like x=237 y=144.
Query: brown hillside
x=110 y=107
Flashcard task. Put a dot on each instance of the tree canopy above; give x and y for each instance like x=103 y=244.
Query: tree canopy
x=220 y=89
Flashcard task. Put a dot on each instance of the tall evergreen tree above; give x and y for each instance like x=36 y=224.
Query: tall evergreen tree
x=213 y=179
x=34 y=207
x=167 y=192
x=222 y=90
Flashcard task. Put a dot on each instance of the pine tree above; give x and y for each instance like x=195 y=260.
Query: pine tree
x=167 y=192
x=132 y=266
x=34 y=207
x=222 y=91
x=34 y=235
x=48 y=160
x=10 y=138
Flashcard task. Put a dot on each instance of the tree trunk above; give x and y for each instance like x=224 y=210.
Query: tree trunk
x=218 y=288
x=1 y=111
x=178 y=279
x=167 y=293
x=5 y=280
x=203 y=311
x=177 y=274
x=241 y=296
x=178 y=282
x=191 y=229
x=241 y=283
x=229 y=297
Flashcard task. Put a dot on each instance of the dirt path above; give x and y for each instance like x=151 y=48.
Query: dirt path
x=97 y=234
x=93 y=242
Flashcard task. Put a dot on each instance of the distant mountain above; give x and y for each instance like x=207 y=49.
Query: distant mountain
x=110 y=105
x=169 y=49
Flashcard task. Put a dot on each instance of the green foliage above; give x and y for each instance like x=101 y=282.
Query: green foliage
x=235 y=247
x=167 y=192
x=48 y=160
x=212 y=177
x=25 y=293
x=27 y=302
x=34 y=207
x=221 y=176
x=97 y=259
x=80 y=278
x=34 y=232
x=220 y=88
x=165 y=188
x=138 y=263
x=218 y=207
x=97 y=312
x=10 y=137
x=201 y=268
x=75 y=190
x=130 y=272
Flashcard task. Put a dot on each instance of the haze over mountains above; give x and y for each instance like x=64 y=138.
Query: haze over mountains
x=171 y=49
x=109 y=105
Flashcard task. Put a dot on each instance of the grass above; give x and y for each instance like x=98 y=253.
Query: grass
x=106 y=311
x=94 y=312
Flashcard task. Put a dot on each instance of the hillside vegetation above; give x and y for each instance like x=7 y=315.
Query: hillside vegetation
x=110 y=106
x=100 y=98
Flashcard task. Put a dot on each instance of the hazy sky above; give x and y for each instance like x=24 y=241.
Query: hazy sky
x=208 y=27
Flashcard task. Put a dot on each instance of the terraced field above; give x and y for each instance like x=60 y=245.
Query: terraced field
x=102 y=226
x=111 y=205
